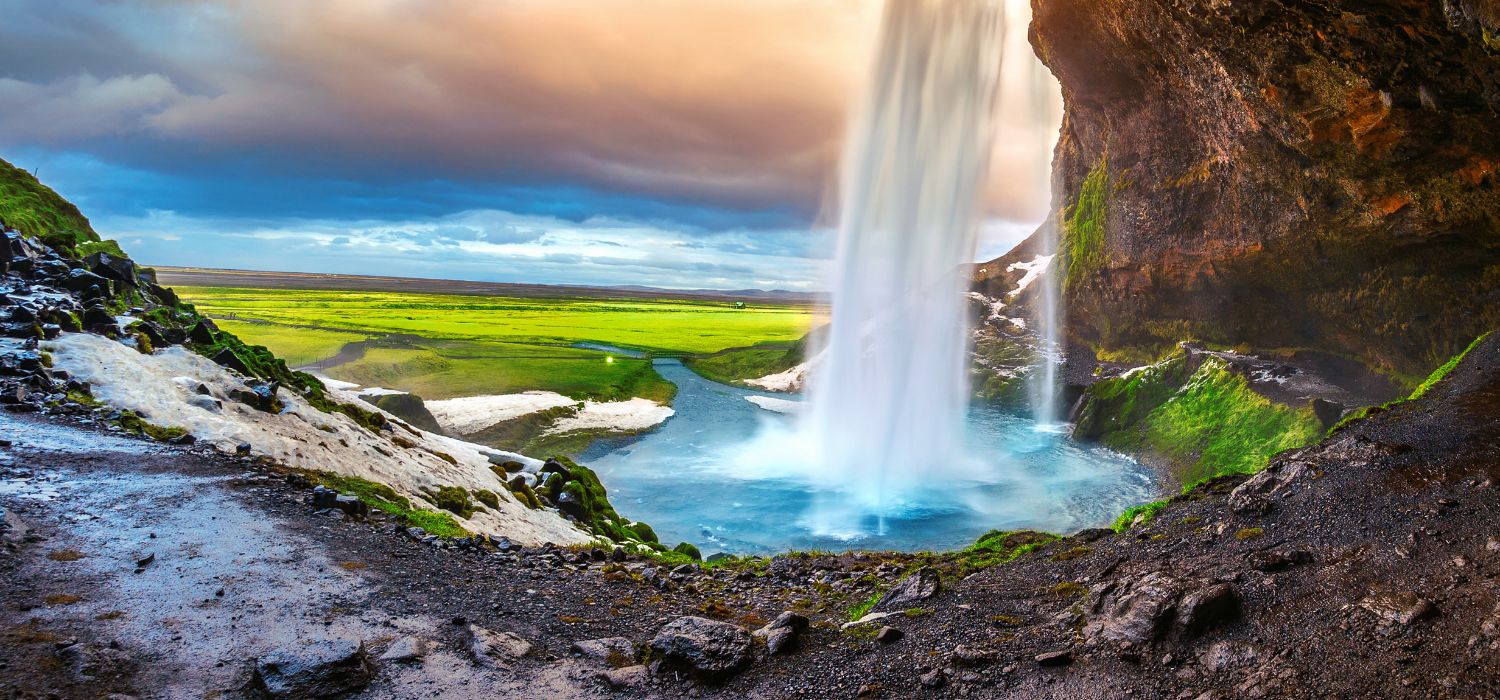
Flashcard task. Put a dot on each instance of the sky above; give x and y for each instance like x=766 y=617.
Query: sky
x=671 y=143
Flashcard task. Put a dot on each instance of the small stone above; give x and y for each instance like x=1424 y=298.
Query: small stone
x=933 y=678
x=617 y=652
x=627 y=677
x=1402 y=608
x=889 y=635
x=1051 y=659
x=496 y=648
x=407 y=648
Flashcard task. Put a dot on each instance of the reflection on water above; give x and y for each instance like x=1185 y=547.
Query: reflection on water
x=723 y=474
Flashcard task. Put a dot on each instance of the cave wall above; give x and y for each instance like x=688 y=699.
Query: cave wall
x=1313 y=175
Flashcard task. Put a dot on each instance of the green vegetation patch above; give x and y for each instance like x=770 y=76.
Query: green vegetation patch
x=36 y=210
x=670 y=327
x=998 y=547
x=1209 y=424
x=736 y=365
x=298 y=346
x=386 y=500
x=1083 y=244
x=132 y=422
x=1145 y=511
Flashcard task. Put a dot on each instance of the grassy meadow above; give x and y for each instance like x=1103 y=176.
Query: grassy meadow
x=446 y=346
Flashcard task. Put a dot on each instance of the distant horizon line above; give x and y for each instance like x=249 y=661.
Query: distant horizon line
x=196 y=276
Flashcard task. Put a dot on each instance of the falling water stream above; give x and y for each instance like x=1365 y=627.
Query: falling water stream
x=887 y=451
x=889 y=397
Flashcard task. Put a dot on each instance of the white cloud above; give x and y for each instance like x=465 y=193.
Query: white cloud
x=82 y=107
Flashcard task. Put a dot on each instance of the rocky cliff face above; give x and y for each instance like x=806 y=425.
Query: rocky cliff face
x=1320 y=176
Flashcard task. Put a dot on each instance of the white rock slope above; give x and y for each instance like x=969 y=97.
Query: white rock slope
x=162 y=388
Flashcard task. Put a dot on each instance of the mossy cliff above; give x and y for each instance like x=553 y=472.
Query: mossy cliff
x=1319 y=176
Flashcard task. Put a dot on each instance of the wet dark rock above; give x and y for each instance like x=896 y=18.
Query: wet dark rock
x=922 y=584
x=889 y=635
x=82 y=280
x=204 y=332
x=1131 y=612
x=226 y=358
x=323 y=498
x=705 y=648
x=258 y=395
x=617 y=652
x=1272 y=561
x=352 y=506
x=113 y=267
x=553 y=466
x=1093 y=534
x=313 y=671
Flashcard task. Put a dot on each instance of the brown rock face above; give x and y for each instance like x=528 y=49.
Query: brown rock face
x=1313 y=175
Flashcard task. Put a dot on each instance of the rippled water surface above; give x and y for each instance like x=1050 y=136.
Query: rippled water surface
x=716 y=475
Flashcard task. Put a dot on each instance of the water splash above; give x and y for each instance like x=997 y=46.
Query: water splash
x=889 y=397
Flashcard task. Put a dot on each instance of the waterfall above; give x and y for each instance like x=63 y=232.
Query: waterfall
x=888 y=399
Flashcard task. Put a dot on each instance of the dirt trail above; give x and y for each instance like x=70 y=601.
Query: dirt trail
x=170 y=581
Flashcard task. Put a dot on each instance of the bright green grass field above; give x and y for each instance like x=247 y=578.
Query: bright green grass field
x=298 y=346
x=469 y=345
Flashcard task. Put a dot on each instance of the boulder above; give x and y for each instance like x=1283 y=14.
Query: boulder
x=227 y=358
x=496 y=648
x=781 y=634
x=1133 y=612
x=617 y=652
x=889 y=635
x=922 y=584
x=708 y=649
x=317 y=670
x=113 y=267
x=204 y=332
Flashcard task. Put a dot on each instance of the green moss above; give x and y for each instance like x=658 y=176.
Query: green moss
x=1069 y=589
x=998 y=547
x=687 y=549
x=385 y=499
x=1432 y=380
x=1127 y=519
x=36 y=210
x=490 y=499
x=1442 y=371
x=1205 y=423
x=106 y=246
x=453 y=499
x=1082 y=245
x=1249 y=533
x=132 y=422
x=863 y=607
